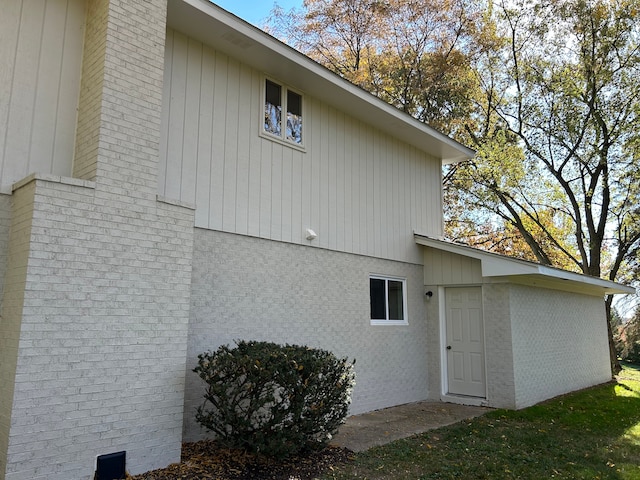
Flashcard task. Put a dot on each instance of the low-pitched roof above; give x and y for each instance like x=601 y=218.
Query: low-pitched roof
x=500 y=268
x=214 y=26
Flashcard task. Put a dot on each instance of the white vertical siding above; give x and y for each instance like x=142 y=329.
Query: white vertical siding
x=41 y=54
x=361 y=190
x=445 y=268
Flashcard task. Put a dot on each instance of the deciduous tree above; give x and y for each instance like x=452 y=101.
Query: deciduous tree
x=547 y=93
x=563 y=88
x=414 y=54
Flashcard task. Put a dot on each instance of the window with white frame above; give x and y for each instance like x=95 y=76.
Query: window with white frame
x=388 y=300
x=282 y=113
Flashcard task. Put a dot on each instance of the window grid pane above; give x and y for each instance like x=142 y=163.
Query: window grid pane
x=378 y=299
x=294 y=117
x=396 y=300
x=273 y=108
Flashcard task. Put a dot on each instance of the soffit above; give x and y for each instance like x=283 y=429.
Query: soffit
x=499 y=268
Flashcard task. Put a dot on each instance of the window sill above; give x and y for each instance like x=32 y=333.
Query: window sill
x=286 y=143
x=389 y=322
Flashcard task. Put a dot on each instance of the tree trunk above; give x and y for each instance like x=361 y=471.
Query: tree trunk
x=613 y=356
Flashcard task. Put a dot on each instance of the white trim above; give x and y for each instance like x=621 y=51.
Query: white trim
x=281 y=139
x=445 y=396
x=502 y=268
x=47 y=177
x=462 y=400
x=405 y=312
x=444 y=372
x=274 y=138
x=389 y=323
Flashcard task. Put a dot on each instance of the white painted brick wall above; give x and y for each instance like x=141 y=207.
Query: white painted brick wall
x=432 y=341
x=498 y=353
x=253 y=289
x=101 y=356
x=121 y=95
x=89 y=110
x=559 y=343
x=539 y=343
x=498 y=346
x=17 y=253
x=5 y=225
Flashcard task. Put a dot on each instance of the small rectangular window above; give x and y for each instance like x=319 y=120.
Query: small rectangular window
x=388 y=300
x=279 y=99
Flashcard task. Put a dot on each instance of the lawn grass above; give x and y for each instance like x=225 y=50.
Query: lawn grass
x=591 y=434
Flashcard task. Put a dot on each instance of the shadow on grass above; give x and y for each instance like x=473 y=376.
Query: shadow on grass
x=594 y=433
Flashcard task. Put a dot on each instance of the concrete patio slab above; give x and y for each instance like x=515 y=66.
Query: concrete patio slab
x=361 y=432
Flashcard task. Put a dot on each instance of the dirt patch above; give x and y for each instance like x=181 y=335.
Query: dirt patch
x=208 y=460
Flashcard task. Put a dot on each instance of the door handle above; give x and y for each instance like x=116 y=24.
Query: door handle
x=448 y=347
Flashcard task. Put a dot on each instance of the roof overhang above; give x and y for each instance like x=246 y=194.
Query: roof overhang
x=214 y=26
x=499 y=268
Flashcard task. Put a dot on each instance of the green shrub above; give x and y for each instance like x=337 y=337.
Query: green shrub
x=272 y=399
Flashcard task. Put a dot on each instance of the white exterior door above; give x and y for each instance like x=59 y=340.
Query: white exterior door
x=465 y=342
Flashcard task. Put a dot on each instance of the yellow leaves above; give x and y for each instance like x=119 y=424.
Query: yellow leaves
x=501 y=161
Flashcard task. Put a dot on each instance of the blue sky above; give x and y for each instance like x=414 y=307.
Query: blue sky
x=255 y=11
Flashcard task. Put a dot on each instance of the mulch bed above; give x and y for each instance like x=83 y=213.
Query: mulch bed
x=208 y=460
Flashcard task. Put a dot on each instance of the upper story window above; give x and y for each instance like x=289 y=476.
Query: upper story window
x=388 y=300
x=288 y=125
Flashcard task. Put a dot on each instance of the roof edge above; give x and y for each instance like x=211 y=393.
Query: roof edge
x=214 y=25
x=497 y=265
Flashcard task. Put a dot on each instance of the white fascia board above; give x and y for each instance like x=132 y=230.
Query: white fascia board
x=608 y=286
x=214 y=26
x=499 y=268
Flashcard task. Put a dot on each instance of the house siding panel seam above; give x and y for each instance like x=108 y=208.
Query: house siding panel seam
x=41 y=56
x=444 y=268
x=361 y=190
x=246 y=288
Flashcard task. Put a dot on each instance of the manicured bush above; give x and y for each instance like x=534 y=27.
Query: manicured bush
x=272 y=399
